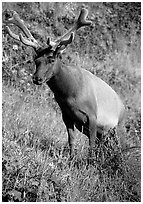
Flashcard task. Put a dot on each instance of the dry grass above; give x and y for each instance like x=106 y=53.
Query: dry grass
x=36 y=164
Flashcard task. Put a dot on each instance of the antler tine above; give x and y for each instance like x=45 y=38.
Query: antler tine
x=65 y=42
x=30 y=41
x=81 y=21
x=13 y=35
x=20 y=23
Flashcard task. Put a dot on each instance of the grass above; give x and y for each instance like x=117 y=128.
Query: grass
x=35 y=163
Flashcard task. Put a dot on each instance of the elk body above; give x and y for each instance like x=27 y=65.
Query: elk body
x=86 y=101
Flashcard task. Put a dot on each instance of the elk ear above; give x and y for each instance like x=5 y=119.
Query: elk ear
x=50 y=43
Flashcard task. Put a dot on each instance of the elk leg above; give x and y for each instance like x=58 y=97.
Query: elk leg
x=70 y=139
x=70 y=130
x=93 y=137
x=92 y=142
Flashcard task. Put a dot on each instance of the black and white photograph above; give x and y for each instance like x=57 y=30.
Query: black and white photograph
x=71 y=101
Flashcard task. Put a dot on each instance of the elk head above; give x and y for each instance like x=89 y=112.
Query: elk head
x=46 y=57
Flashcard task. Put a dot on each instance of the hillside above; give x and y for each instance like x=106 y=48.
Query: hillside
x=35 y=162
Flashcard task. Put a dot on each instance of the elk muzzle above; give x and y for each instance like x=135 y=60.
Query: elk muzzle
x=37 y=80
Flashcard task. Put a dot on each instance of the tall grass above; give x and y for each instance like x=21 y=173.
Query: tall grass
x=35 y=163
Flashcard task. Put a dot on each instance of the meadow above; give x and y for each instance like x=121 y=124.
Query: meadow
x=35 y=159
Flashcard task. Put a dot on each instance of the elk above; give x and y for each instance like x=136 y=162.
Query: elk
x=86 y=102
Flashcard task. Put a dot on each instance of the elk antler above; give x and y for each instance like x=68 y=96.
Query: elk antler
x=63 y=44
x=30 y=40
x=81 y=21
x=67 y=38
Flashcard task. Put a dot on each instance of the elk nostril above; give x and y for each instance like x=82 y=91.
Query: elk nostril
x=37 y=80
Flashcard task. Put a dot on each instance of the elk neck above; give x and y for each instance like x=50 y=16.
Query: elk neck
x=66 y=80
